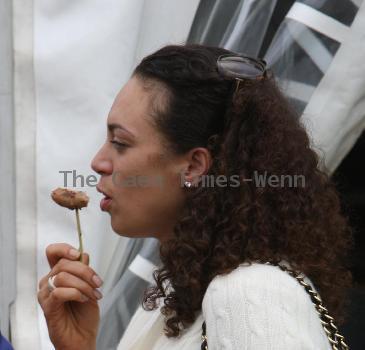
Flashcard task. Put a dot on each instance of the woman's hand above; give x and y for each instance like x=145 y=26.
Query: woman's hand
x=71 y=310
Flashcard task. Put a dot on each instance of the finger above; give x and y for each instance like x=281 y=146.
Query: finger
x=42 y=295
x=62 y=295
x=43 y=281
x=79 y=270
x=57 y=251
x=85 y=258
x=67 y=280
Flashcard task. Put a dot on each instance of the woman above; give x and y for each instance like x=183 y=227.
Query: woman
x=209 y=132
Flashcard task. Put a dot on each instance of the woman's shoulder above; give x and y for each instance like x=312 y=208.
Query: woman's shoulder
x=260 y=306
x=256 y=281
x=254 y=273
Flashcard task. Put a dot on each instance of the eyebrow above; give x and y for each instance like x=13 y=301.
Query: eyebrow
x=113 y=126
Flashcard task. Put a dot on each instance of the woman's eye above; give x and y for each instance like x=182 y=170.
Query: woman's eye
x=119 y=145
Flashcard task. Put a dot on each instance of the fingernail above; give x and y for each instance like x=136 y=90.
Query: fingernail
x=84 y=298
x=97 y=294
x=74 y=253
x=97 y=280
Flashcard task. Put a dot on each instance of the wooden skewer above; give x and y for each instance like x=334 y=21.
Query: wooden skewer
x=81 y=247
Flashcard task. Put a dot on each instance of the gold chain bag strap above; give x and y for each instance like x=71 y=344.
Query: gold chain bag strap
x=336 y=340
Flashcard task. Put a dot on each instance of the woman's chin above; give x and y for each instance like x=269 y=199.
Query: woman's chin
x=120 y=229
x=125 y=231
x=116 y=226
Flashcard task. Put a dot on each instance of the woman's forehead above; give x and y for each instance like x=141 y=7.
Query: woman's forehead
x=131 y=108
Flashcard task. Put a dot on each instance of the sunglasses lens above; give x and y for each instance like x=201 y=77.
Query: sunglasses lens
x=240 y=67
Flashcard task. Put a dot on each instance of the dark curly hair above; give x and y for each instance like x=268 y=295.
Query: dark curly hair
x=249 y=132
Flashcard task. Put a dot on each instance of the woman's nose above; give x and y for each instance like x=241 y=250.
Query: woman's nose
x=101 y=163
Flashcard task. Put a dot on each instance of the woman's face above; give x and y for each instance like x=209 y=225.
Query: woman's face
x=140 y=180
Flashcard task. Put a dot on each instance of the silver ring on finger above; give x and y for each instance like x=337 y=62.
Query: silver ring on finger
x=50 y=283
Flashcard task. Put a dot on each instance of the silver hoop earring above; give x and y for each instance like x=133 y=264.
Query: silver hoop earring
x=187 y=184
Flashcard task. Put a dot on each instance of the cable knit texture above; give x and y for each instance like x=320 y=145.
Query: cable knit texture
x=255 y=307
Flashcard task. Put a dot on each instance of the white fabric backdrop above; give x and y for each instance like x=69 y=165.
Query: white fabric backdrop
x=24 y=316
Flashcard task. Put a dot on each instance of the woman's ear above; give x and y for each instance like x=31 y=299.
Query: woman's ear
x=198 y=162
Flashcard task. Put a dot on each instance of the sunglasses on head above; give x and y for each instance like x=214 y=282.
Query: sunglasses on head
x=241 y=67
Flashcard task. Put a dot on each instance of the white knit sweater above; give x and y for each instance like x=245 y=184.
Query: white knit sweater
x=255 y=307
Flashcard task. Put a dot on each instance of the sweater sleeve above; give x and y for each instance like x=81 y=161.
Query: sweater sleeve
x=260 y=307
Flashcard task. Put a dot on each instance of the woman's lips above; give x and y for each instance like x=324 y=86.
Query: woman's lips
x=105 y=203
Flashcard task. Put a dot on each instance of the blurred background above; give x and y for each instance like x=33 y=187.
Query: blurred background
x=61 y=65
